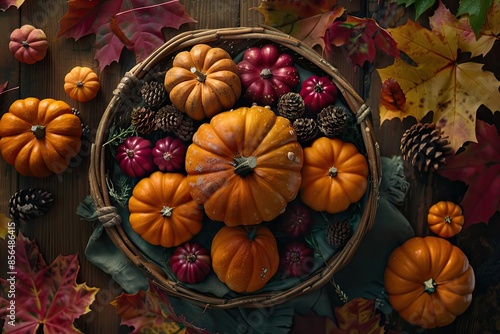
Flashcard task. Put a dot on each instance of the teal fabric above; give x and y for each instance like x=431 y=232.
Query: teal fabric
x=362 y=277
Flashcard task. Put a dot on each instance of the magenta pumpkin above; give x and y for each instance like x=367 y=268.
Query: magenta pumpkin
x=191 y=263
x=296 y=221
x=297 y=260
x=318 y=92
x=134 y=156
x=169 y=154
x=266 y=74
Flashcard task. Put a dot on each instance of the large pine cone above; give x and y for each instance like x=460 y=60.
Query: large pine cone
x=30 y=203
x=306 y=129
x=338 y=233
x=168 y=118
x=424 y=147
x=186 y=128
x=154 y=93
x=332 y=121
x=143 y=118
x=291 y=105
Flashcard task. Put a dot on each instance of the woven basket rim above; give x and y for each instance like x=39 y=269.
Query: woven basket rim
x=98 y=175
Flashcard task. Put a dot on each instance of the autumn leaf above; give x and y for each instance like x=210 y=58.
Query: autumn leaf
x=151 y=312
x=478 y=165
x=45 y=296
x=305 y=20
x=475 y=11
x=468 y=41
x=360 y=37
x=438 y=82
x=392 y=96
x=5 y=4
x=357 y=316
x=4 y=225
x=420 y=5
x=136 y=25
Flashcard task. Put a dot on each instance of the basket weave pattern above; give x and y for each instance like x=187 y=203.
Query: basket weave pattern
x=233 y=40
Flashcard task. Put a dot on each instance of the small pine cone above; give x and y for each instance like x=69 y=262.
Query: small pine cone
x=143 y=118
x=30 y=203
x=153 y=93
x=306 y=129
x=291 y=105
x=424 y=147
x=168 y=118
x=186 y=129
x=338 y=233
x=332 y=120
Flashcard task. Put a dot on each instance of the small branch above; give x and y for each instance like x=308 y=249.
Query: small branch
x=9 y=90
x=145 y=7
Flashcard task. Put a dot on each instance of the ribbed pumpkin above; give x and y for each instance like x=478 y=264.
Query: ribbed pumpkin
x=244 y=166
x=245 y=258
x=334 y=175
x=429 y=281
x=81 y=84
x=445 y=219
x=162 y=211
x=39 y=138
x=28 y=44
x=203 y=81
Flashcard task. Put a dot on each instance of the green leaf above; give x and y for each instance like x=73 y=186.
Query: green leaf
x=476 y=10
x=420 y=5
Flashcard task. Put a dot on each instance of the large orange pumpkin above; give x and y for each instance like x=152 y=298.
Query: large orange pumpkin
x=429 y=281
x=445 y=219
x=245 y=258
x=203 y=81
x=162 y=210
x=40 y=137
x=244 y=166
x=334 y=175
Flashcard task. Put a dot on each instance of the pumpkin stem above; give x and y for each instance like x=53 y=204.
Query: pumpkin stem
x=447 y=219
x=130 y=153
x=201 y=76
x=252 y=233
x=294 y=257
x=166 y=211
x=26 y=44
x=79 y=84
x=332 y=172
x=38 y=131
x=244 y=166
x=266 y=73
x=191 y=258
x=430 y=286
x=318 y=88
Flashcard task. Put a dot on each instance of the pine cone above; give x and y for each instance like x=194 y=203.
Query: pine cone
x=143 y=118
x=338 y=233
x=153 y=93
x=30 y=203
x=291 y=105
x=306 y=129
x=168 y=118
x=332 y=120
x=424 y=147
x=186 y=128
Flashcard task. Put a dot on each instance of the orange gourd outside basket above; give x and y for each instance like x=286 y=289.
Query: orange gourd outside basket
x=81 y=84
x=445 y=219
x=28 y=44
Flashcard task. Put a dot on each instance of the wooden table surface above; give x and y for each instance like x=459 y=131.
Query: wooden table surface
x=61 y=231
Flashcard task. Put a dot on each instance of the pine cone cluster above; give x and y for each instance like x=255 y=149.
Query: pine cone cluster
x=332 y=120
x=424 y=147
x=167 y=118
x=153 y=93
x=143 y=118
x=338 y=233
x=306 y=129
x=30 y=203
x=291 y=105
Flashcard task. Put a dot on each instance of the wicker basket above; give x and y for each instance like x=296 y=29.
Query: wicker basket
x=233 y=40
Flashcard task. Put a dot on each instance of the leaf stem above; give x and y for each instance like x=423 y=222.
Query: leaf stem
x=145 y=7
x=9 y=90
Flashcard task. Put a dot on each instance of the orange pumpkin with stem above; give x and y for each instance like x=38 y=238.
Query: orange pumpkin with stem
x=445 y=219
x=81 y=84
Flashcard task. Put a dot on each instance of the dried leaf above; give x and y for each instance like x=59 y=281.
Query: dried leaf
x=4 y=225
x=358 y=316
x=45 y=296
x=151 y=312
x=479 y=167
x=360 y=38
x=392 y=96
x=452 y=90
x=135 y=24
x=420 y=5
x=5 y=4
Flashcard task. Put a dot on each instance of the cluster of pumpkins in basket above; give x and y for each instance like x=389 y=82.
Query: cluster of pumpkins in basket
x=242 y=166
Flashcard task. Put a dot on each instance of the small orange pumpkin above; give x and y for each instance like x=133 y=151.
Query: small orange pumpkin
x=81 y=84
x=245 y=258
x=203 y=81
x=162 y=210
x=429 y=281
x=244 y=166
x=39 y=138
x=445 y=219
x=334 y=175
x=28 y=44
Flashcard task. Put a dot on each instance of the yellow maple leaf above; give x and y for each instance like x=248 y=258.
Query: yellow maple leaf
x=438 y=83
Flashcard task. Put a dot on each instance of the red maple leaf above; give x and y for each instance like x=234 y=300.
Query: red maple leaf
x=136 y=25
x=357 y=316
x=478 y=165
x=35 y=295
x=360 y=38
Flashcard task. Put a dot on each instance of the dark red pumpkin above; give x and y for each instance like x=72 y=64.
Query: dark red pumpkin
x=191 y=262
x=134 y=156
x=297 y=260
x=169 y=154
x=266 y=74
x=317 y=92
